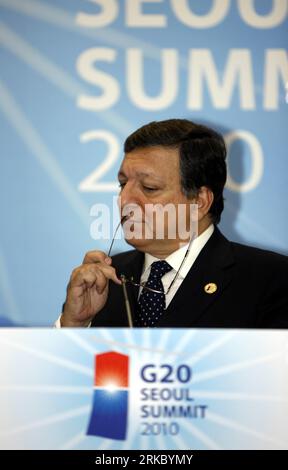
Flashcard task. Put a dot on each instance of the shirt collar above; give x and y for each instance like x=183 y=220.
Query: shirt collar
x=175 y=259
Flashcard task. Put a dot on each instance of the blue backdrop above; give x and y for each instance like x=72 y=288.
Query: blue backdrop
x=77 y=76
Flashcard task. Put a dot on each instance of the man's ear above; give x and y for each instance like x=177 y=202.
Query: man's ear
x=204 y=199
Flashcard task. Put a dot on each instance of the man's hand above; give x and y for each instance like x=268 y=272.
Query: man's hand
x=87 y=290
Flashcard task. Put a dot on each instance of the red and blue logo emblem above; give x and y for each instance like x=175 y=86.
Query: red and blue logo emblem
x=110 y=398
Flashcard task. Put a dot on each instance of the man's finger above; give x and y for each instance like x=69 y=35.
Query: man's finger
x=95 y=257
x=100 y=271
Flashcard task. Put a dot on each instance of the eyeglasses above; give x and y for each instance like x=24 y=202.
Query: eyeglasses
x=143 y=285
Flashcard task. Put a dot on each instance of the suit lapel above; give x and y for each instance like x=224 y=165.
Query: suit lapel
x=210 y=270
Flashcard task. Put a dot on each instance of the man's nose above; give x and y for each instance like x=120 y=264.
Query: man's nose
x=127 y=195
x=128 y=201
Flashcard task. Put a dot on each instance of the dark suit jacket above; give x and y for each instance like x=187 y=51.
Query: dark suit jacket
x=252 y=289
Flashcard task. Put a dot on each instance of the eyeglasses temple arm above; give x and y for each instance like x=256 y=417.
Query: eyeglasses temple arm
x=127 y=303
x=123 y=219
x=193 y=236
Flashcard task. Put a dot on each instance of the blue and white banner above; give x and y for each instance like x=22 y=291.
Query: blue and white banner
x=139 y=389
x=77 y=76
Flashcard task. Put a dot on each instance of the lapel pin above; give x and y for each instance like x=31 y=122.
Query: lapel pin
x=210 y=288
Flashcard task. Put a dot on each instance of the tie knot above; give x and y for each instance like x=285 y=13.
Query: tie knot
x=159 y=268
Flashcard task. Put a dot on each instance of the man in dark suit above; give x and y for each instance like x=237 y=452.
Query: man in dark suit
x=176 y=281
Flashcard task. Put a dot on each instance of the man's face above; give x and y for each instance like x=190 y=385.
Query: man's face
x=148 y=177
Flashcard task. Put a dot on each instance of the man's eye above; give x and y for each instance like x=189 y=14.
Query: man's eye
x=121 y=185
x=147 y=188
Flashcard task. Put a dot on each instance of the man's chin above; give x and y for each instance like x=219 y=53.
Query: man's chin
x=138 y=243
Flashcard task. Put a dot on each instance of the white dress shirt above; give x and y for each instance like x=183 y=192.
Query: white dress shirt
x=175 y=260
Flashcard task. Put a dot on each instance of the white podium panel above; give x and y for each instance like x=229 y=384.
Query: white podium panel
x=125 y=389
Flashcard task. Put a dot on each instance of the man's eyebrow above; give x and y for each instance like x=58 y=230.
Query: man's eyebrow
x=141 y=174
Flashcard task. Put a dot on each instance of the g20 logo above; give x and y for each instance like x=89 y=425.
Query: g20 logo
x=110 y=397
